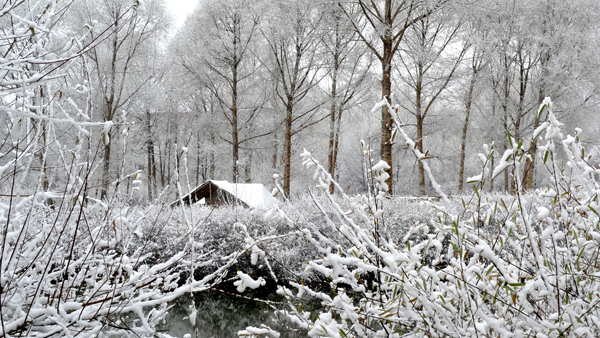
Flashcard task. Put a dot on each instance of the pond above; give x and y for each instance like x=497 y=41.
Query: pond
x=222 y=314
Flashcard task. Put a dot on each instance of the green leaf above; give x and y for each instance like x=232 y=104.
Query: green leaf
x=580 y=253
x=542 y=109
x=394 y=132
x=473 y=181
x=343 y=334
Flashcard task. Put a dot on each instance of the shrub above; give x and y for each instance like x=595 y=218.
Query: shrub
x=520 y=267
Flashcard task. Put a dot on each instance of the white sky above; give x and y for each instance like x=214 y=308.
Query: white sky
x=179 y=9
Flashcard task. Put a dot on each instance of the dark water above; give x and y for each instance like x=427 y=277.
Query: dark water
x=223 y=315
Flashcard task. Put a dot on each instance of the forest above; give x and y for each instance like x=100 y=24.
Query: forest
x=436 y=163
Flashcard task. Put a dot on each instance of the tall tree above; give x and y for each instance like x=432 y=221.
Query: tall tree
x=228 y=66
x=292 y=41
x=428 y=68
x=387 y=22
x=348 y=65
x=565 y=62
x=119 y=74
x=477 y=62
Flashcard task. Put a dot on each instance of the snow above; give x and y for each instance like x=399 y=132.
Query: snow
x=255 y=195
x=504 y=163
x=247 y=282
x=542 y=213
x=255 y=331
x=379 y=105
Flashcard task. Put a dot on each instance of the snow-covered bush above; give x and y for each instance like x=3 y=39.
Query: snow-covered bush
x=72 y=265
x=524 y=265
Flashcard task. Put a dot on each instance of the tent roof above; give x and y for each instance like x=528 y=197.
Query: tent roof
x=255 y=195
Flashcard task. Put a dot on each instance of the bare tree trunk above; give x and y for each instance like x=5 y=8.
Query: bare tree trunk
x=248 y=168
x=106 y=168
x=199 y=159
x=211 y=158
x=336 y=141
x=44 y=163
x=235 y=141
x=463 y=144
x=287 y=150
x=176 y=155
x=523 y=78
x=161 y=165
x=506 y=92
x=169 y=160
x=529 y=174
x=332 y=120
x=274 y=158
x=110 y=111
x=419 y=144
x=386 y=91
x=150 y=157
x=419 y=115
x=44 y=146
x=234 y=111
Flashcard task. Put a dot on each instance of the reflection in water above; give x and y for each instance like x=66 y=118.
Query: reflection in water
x=223 y=315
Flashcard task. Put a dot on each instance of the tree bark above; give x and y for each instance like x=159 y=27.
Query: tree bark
x=106 y=168
x=274 y=157
x=211 y=158
x=248 y=167
x=336 y=141
x=332 y=119
x=506 y=92
x=420 y=119
x=545 y=55
x=234 y=96
x=386 y=91
x=150 y=157
x=199 y=160
x=234 y=127
x=463 y=143
x=287 y=152
x=110 y=106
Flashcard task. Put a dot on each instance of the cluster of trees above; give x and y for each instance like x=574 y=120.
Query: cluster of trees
x=90 y=94
x=240 y=88
x=262 y=81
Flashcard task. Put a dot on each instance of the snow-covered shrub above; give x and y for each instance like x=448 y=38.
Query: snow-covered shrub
x=525 y=265
x=72 y=265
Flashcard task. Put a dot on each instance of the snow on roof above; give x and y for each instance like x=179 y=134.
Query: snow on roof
x=255 y=195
